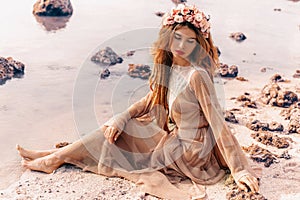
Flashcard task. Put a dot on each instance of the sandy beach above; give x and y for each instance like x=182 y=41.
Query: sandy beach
x=38 y=110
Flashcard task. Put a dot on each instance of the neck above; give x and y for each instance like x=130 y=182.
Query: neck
x=181 y=62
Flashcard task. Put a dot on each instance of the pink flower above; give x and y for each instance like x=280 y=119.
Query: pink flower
x=189 y=18
x=198 y=17
x=178 y=19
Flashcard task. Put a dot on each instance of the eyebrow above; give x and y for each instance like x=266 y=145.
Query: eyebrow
x=178 y=34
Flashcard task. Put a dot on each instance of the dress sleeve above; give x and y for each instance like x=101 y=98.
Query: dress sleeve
x=203 y=88
x=137 y=109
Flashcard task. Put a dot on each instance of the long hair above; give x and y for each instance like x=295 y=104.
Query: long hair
x=204 y=55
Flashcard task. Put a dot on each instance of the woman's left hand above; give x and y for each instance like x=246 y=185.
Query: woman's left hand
x=250 y=181
x=111 y=134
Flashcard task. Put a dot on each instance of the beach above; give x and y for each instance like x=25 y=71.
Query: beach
x=40 y=109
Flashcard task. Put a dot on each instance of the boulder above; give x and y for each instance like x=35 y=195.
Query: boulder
x=297 y=74
x=139 y=71
x=226 y=71
x=238 y=36
x=106 y=57
x=53 y=8
x=273 y=95
x=10 y=68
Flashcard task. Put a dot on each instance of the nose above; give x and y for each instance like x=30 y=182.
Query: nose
x=181 y=44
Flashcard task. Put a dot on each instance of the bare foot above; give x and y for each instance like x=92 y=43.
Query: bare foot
x=31 y=154
x=45 y=164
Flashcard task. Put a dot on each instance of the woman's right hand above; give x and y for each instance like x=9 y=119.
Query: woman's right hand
x=111 y=133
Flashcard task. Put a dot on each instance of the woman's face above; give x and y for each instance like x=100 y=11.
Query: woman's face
x=183 y=43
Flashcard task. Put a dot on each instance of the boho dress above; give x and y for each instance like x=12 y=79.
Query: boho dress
x=196 y=151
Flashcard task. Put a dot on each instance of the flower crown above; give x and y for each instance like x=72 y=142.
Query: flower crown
x=183 y=13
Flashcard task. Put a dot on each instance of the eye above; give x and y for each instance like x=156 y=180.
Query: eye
x=191 y=41
x=177 y=37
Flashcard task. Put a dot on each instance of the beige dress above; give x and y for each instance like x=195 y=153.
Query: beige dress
x=167 y=165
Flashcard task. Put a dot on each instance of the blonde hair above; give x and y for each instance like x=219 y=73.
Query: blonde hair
x=204 y=55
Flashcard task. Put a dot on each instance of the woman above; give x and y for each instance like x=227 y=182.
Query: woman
x=175 y=134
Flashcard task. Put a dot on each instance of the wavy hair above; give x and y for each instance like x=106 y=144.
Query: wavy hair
x=204 y=55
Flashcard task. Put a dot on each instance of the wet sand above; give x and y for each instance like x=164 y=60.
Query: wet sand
x=37 y=111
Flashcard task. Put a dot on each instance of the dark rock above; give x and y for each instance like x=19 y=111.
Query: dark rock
x=263 y=69
x=277 y=9
x=294 y=124
x=256 y=125
x=226 y=71
x=139 y=71
x=240 y=78
x=260 y=154
x=270 y=139
x=277 y=78
x=61 y=144
x=237 y=194
x=53 y=8
x=218 y=51
x=230 y=117
x=176 y=2
x=273 y=95
x=159 y=14
x=297 y=74
x=105 y=73
x=238 y=36
x=275 y=126
x=10 y=68
x=106 y=57
x=247 y=102
x=285 y=155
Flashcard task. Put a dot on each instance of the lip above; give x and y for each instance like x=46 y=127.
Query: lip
x=179 y=52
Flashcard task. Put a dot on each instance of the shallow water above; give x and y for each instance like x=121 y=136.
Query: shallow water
x=37 y=110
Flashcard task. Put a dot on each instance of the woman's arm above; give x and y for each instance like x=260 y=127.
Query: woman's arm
x=203 y=88
x=118 y=121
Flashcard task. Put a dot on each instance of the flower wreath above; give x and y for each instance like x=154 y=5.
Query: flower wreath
x=184 y=13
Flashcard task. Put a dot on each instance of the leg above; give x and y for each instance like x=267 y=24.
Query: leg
x=31 y=154
x=45 y=164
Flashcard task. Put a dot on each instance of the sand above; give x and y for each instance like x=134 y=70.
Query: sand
x=279 y=181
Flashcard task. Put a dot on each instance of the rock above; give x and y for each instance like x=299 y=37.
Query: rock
x=247 y=102
x=237 y=194
x=139 y=71
x=230 y=117
x=176 y=2
x=159 y=14
x=297 y=74
x=273 y=95
x=238 y=36
x=53 y=8
x=277 y=9
x=263 y=69
x=10 y=68
x=105 y=73
x=285 y=155
x=240 y=78
x=277 y=78
x=260 y=154
x=61 y=144
x=106 y=57
x=218 y=51
x=256 y=125
x=294 y=124
x=275 y=126
x=226 y=71
x=270 y=139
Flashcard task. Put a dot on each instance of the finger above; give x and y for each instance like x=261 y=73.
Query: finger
x=112 y=135
x=242 y=186
x=117 y=135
